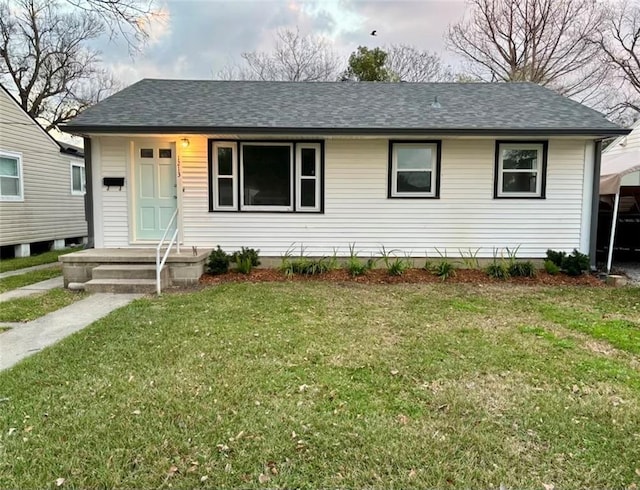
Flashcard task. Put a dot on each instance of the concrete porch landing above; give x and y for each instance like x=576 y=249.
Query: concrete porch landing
x=184 y=268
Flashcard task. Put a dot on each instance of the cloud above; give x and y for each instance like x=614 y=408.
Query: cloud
x=196 y=39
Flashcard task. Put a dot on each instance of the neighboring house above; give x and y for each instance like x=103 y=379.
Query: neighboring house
x=417 y=168
x=42 y=185
x=627 y=144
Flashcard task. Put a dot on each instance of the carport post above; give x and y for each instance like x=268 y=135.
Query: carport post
x=616 y=205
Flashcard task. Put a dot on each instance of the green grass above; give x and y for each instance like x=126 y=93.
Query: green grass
x=329 y=385
x=7 y=265
x=28 y=278
x=32 y=307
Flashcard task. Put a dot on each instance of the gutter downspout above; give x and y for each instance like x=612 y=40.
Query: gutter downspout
x=595 y=203
x=88 y=196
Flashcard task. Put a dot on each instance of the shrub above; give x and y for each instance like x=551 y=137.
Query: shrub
x=219 y=261
x=398 y=267
x=470 y=259
x=551 y=267
x=497 y=270
x=305 y=266
x=444 y=270
x=575 y=264
x=244 y=265
x=355 y=266
x=522 y=269
x=244 y=254
x=556 y=257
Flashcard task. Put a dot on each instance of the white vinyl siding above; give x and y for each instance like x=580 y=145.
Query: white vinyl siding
x=114 y=215
x=357 y=209
x=47 y=210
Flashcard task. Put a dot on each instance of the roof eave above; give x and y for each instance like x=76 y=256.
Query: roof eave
x=111 y=129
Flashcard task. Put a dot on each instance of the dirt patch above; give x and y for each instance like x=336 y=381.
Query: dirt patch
x=412 y=276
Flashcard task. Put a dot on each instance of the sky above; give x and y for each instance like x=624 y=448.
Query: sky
x=198 y=38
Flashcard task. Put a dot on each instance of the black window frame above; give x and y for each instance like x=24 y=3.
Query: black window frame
x=438 y=168
x=542 y=172
x=237 y=144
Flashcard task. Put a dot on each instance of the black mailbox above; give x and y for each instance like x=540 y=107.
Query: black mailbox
x=113 y=182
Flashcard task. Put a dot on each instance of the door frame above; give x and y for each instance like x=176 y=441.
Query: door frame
x=133 y=202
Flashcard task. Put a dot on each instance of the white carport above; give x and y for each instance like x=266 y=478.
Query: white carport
x=613 y=169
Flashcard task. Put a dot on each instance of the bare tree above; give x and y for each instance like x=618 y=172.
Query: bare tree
x=619 y=42
x=44 y=58
x=294 y=58
x=128 y=19
x=412 y=65
x=542 y=41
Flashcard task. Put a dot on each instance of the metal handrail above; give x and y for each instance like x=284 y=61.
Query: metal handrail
x=159 y=263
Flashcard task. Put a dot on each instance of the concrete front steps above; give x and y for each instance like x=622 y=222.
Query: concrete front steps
x=126 y=278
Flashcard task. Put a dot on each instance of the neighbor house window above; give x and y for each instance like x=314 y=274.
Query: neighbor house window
x=78 y=178
x=413 y=169
x=266 y=176
x=11 y=186
x=520 y=169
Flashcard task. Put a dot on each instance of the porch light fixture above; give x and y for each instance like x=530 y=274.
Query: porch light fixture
x=436 y=104
x=185 y=142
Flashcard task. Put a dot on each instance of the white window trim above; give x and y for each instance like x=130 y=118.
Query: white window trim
x=245 y=207
x=395 y=170
x=233 y=176
x=539 y=147
x=300 y=177
x=83 y=174
x=17 y=156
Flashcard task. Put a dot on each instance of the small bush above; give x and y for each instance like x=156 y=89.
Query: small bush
x=398 y=267
x=556 y=257
x=497 y=270
x=522 y=269
x=470 y=259
x=428 y=266
x=244 y=254
x=305 y=266
x=218 y=262
x=575 y=264
x=444 y=270
x=356 y=267
x=244 y=265
x=551 y=267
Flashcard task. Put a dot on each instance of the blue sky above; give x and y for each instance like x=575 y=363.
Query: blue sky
x=197 y=38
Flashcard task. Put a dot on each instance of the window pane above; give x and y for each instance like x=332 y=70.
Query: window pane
x=308 y=193
x=76 y=175
x=165 y=153
x=520 y=159
x=308 y=156
x=146 y=153
x=414 y=182
x=9 y=186
x=225 y=162
x=225 y=192
x=8 y=166
x=414 y=158
x=519 y=182
x=267 y=175
x=84 y=179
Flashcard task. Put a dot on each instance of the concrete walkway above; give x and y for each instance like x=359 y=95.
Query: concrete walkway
x=29 y=269
x=28 y=338
x=38 y=287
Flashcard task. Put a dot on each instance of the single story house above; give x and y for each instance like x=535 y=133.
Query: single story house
x=420 y=168
x=42 y=185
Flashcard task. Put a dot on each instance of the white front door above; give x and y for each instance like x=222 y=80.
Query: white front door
x=156 y=196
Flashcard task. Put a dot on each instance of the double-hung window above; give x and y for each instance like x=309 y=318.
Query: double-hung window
x=414 y=169
x=11 y=185
x=520 y=169
x=266 y=176
x=78 y=179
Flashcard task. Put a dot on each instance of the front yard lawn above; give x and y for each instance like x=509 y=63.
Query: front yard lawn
x=37 y=305
x=336 y=385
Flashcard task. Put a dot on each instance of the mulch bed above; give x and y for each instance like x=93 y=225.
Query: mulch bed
x=412 y=276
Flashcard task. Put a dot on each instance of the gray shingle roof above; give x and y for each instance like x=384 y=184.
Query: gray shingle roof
x=358 y=107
